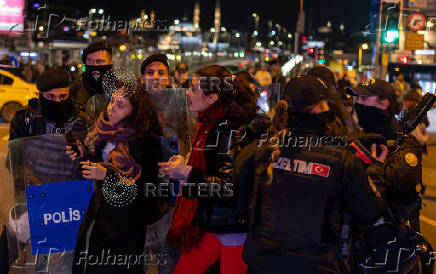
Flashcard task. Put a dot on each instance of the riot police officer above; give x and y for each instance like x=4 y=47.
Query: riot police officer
x=301 y=192
x=53 y=112
x=376 y=107
x=87 y=90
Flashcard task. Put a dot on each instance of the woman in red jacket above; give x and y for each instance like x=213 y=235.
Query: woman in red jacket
x=210 y=222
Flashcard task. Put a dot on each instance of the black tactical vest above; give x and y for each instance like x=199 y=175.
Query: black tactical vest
x=301 y=205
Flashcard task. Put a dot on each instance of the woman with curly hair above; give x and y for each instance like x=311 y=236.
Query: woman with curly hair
x=209 y=221
x=121 y=154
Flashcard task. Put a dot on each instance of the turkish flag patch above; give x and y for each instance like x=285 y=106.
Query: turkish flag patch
x=320 y=170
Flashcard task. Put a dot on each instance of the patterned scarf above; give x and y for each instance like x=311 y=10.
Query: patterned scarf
x=184 y=233
x=119 y=158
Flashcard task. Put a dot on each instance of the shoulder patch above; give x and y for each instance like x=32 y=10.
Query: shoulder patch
x=411 y=159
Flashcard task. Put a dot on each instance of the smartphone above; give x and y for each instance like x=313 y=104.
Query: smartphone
x=71 y=141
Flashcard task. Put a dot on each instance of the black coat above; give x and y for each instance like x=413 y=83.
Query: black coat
x=218 y=211
x=298 y=204
x=30 y=122
x=121 y=230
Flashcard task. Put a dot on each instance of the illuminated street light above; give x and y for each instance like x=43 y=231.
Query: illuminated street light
x=100 y=11
x=271 y=43
x=273 y=33
x=93 y=10
x=258 y=44
x=176 y=22
x=41 y=28
x=212 y=29
x=362 y=47
x=254 y=15
x=223 y=29
x=255 y=33
x=145 y=16
x=237 y=35
x=123 y=47
x=289 y=36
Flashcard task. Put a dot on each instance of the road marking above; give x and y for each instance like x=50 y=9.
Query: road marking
x=428 y=220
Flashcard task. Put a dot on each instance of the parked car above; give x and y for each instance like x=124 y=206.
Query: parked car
x=15 y=92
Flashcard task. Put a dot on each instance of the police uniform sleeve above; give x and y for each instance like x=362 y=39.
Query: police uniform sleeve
x=359 y=199
x=18 y=126
x=403 y=169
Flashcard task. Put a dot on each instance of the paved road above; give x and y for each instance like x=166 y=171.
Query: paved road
x=4 y=132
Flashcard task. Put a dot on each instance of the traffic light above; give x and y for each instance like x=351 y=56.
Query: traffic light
x=310 y=51
x=404 y=60
x=391 y=34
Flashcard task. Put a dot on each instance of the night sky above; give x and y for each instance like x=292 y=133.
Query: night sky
x=236 y=14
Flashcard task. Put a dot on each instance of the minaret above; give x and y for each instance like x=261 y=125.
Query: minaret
x=196 y=19
x=217 y=21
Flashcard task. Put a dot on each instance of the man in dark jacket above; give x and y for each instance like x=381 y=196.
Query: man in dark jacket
x=87 y=90
x=52 y=113
x=301 y=193
x=172 y=111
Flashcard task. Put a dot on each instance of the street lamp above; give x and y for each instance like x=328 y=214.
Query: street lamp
x=212 y=29
x=176 y=22
x=100 y=11
x=223 y=29
x=258 y=44
x=289 y=36
x=255 y=33
x=362 y=47
x=256 y=20
x=237 y=35
x=93 y=10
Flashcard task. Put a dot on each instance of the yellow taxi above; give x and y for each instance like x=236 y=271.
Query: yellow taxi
x=15 y=93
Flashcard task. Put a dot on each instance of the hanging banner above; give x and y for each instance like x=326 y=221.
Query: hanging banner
x=11 y=16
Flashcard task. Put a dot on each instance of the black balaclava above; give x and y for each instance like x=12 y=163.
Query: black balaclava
x=92 y=85
x=374 y=120
x=321 y=123
x=58 y=112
